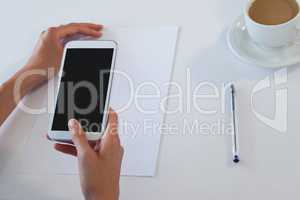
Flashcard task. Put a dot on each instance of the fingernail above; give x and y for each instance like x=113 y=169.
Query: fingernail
x=73 y=125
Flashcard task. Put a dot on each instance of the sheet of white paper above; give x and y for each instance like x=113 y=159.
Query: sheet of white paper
x=143 y=67
x=146 y=56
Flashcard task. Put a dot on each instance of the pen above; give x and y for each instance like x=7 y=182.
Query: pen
x=235 y=150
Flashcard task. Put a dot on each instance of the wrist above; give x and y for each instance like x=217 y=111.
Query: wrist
x=27 y=79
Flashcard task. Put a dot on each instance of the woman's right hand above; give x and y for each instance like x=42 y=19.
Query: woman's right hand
x=99 y=166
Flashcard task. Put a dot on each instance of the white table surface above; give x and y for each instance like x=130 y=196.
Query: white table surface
x=189 y=166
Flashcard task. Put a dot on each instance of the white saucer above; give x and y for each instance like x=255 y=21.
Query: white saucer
x=246 y=50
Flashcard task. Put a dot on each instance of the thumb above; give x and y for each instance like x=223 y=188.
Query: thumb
x=111 y=136
x=78 y=136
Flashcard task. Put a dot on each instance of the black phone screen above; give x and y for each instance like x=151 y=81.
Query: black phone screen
x=83 y=88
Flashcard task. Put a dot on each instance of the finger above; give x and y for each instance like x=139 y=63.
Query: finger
x=85 y=29
x=67 y=149
x=91 y=25
x=111 y=136
x=78 y=136
x=48 y=137
x=112 y=126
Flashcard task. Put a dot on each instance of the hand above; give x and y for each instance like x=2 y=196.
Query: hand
x=46 y=56
x=48 y=51
x=99 y=166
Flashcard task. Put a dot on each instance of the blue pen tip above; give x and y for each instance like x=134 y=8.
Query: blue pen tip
x=236 y=159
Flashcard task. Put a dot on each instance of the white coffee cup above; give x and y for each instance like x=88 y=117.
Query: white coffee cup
x=272 y=35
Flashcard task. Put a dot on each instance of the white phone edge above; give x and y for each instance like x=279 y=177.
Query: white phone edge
x=65 y=136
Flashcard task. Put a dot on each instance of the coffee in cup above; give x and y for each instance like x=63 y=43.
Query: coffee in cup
x=272 y=23
x=273 y=12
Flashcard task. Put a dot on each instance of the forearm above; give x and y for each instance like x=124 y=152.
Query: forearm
x=14 y=89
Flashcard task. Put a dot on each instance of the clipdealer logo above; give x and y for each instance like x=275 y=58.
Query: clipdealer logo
x=279 y=120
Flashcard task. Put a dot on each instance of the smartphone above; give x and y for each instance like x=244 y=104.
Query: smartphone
x=85 y=81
